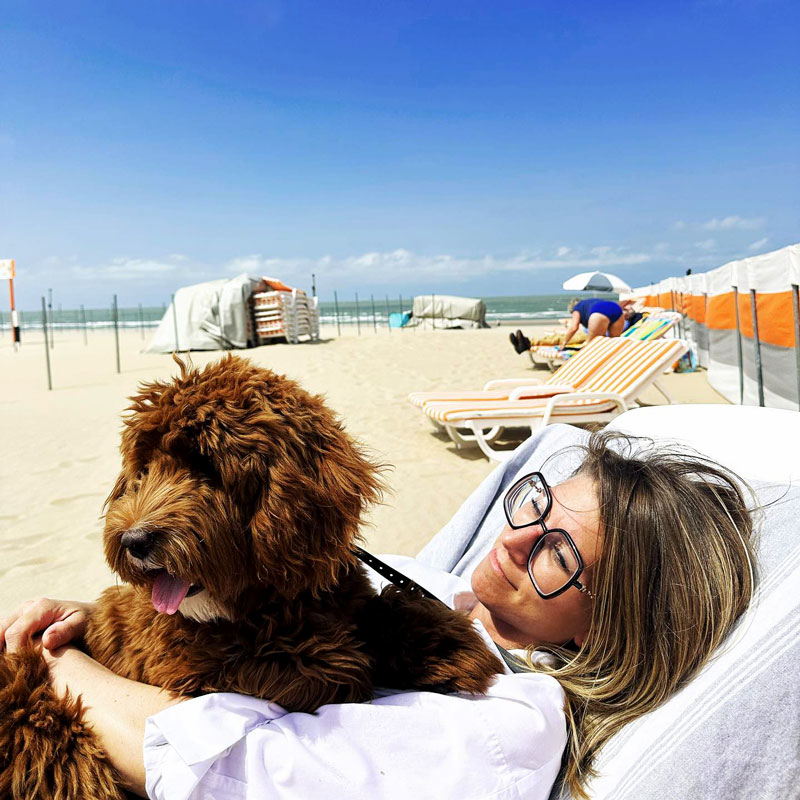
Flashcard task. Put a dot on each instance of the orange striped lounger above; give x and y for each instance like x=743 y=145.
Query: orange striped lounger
x=610 y=389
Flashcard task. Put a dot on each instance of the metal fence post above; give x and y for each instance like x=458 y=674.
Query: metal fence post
x=739 y=345
x=83 y=320
x=46 y=345
x=116 y=330
x=757 y=348
x=796 y=309
x=175 y=324
x=336 y=307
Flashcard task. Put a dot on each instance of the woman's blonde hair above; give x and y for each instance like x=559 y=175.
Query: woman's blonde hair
x=674 y=574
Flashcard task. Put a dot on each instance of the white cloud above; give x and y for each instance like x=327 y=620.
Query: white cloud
x=679 y=225
x=733 y=223
x=402 y=264
x=706 y=244
x=132 y=269
x=757 y=245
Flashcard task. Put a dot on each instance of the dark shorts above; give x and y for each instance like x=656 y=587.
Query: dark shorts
x=607 y=307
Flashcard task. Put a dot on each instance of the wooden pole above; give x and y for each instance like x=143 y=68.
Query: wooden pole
x=374 y=321
x=141 y=320
x=13 y=320
x=116 y=329
x=50 y=309
x=336 y=307
x=46 y=347
x=388 y=326
x=83 y=318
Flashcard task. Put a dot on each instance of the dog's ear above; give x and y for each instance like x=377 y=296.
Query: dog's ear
x=120 y=486
x=315 y=491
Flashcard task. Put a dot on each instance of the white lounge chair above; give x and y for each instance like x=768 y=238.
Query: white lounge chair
x=568 y=378
x=611 y=389
x=655 y=326
x=733 y=730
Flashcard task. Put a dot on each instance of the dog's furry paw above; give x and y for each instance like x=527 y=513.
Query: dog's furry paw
x=46 y=750
x=420 y=643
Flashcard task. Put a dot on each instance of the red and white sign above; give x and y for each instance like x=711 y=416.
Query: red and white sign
x=6 y=268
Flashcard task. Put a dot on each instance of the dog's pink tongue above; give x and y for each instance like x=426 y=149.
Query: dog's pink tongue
x=168 y=592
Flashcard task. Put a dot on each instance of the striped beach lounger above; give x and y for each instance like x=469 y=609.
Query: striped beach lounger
x=611 y=389
x=652 y=327
x=568 y=378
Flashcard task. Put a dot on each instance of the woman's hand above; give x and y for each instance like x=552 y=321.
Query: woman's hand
x=59 y=622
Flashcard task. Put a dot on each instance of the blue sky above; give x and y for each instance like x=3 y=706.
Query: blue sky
x=460 y=147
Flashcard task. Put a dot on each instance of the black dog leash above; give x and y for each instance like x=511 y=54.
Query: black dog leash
x=392 y=575
x=515 y=663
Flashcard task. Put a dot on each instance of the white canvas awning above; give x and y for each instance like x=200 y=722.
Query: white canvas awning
x=448 y=311
x=206 y=316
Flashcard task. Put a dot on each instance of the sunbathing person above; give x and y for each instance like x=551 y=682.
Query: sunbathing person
x=604 y=594
x=597 y=317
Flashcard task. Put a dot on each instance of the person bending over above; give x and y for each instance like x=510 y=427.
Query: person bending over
x=598 y=317
x=604 y=594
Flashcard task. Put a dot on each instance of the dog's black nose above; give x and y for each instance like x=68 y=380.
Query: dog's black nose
x=138 y=543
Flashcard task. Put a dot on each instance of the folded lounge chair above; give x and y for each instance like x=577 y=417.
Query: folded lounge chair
x=610 y=389
x=732 y=731
x=651 y=327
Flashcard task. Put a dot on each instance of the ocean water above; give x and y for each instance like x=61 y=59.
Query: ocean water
x=364 y=311
x=498 y=309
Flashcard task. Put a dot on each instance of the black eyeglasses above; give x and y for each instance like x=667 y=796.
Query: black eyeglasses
x=554 y=563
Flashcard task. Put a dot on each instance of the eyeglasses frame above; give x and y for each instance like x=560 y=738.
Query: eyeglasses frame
x=539 y=543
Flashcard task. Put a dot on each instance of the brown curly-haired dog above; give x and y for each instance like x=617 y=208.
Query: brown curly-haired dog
x=232 y=524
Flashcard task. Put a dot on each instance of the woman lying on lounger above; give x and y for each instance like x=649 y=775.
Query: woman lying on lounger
x=614 y=586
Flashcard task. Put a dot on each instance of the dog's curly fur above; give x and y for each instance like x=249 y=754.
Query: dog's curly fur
x=247 y=488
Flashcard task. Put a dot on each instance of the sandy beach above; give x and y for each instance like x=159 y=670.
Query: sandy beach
x=60 y=447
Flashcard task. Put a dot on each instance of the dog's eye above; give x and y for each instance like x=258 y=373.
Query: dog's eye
x=202 y=465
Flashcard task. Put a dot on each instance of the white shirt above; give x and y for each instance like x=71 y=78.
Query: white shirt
x=504 y=745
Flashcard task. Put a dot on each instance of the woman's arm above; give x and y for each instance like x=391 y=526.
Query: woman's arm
x=572 y=328
x=507 y=743
x=411 y=744
x=117 y=708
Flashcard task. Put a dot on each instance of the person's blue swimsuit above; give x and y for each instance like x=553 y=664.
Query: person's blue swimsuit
x=593 y=306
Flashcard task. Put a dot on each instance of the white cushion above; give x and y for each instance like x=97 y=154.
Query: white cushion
x=756 y=443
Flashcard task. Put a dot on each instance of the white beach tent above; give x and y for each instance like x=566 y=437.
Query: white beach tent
x=447 y=311
x=207 y=316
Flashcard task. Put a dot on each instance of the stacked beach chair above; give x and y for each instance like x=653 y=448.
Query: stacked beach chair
x=284 y=313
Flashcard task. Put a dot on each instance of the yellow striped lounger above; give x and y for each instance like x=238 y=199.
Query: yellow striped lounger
x=611 y=389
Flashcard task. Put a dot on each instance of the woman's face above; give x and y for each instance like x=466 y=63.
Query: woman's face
x=513 y=608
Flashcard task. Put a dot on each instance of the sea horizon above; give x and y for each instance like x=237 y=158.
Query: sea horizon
x=367 y=310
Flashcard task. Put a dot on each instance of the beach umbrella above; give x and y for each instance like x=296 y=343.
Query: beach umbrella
x=596 y=282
